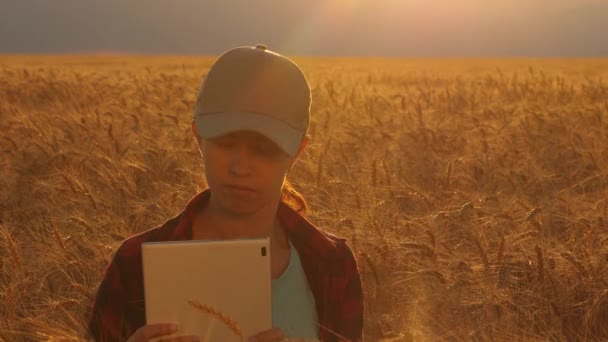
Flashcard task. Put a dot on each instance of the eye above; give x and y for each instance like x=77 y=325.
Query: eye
x=267 y=149
x=223 y=142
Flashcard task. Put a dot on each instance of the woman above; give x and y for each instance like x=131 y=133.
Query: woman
x=250 y=121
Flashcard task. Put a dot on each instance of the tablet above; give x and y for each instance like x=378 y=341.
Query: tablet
x=218 y=290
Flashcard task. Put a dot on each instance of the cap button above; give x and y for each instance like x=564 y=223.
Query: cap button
x=261 y=47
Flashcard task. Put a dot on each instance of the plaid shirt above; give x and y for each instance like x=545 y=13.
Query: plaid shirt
x=118 y=309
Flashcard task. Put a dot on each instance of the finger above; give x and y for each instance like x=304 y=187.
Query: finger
x=156 y=330
x=181 y=339
x=275 y=334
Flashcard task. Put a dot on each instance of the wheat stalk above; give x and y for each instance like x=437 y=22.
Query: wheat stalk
x=484 y=256
x=58 y=238
x=501 y=251
x=448 y=176
x=433 y=239
x=466 y=211
x=533 y=214
x=579 y=267
x=229 y=321
x=12 y=248
x=424 y=249
x=374 y=171
x=539 y=256
x=319 y=171
x=387 y=174
x=68 y=180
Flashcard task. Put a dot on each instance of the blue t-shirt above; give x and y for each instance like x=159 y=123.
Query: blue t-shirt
x=293 y=303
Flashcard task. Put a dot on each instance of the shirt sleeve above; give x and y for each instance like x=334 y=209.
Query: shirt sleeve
x=108 y=311
x=350 y=323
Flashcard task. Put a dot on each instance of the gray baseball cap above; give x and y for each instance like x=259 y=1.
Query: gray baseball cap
x=253 y=88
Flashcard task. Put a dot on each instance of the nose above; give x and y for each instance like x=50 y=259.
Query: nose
x=240 y=161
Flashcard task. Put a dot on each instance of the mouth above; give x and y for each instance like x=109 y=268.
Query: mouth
x=239 y=188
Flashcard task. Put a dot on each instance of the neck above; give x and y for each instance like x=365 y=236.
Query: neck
x=213 y=222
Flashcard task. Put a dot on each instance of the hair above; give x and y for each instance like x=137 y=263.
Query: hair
x=294 y=199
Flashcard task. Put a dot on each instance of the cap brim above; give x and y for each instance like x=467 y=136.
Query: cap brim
x=216 y=124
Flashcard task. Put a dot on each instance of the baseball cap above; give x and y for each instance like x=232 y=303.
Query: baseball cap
x=253 y=88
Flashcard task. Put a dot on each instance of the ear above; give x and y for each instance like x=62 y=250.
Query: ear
x=195 y=132
x=303 y=144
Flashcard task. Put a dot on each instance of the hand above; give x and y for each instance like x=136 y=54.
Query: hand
x=271 y=335
x=148 y=332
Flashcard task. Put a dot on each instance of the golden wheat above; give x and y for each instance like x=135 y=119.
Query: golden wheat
x=462 y=185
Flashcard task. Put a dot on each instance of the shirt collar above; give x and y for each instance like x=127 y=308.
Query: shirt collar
x=304 y=235
x=183 y=230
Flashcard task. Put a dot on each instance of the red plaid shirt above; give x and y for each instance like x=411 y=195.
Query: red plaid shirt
x=118 y=309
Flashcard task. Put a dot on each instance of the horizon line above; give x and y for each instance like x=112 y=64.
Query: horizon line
x=167 y=55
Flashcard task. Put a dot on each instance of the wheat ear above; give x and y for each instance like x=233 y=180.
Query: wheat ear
x=229 y=321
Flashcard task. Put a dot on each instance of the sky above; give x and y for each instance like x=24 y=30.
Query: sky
x=389 y=28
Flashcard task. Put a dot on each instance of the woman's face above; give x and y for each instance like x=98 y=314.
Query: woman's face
x=245 y=171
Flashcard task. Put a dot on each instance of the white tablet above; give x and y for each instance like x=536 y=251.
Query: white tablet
x=218 y=290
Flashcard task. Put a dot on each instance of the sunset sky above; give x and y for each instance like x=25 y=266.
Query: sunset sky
x=408 y=28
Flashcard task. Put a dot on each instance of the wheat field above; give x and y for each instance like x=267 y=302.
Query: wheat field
x=474 y=192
